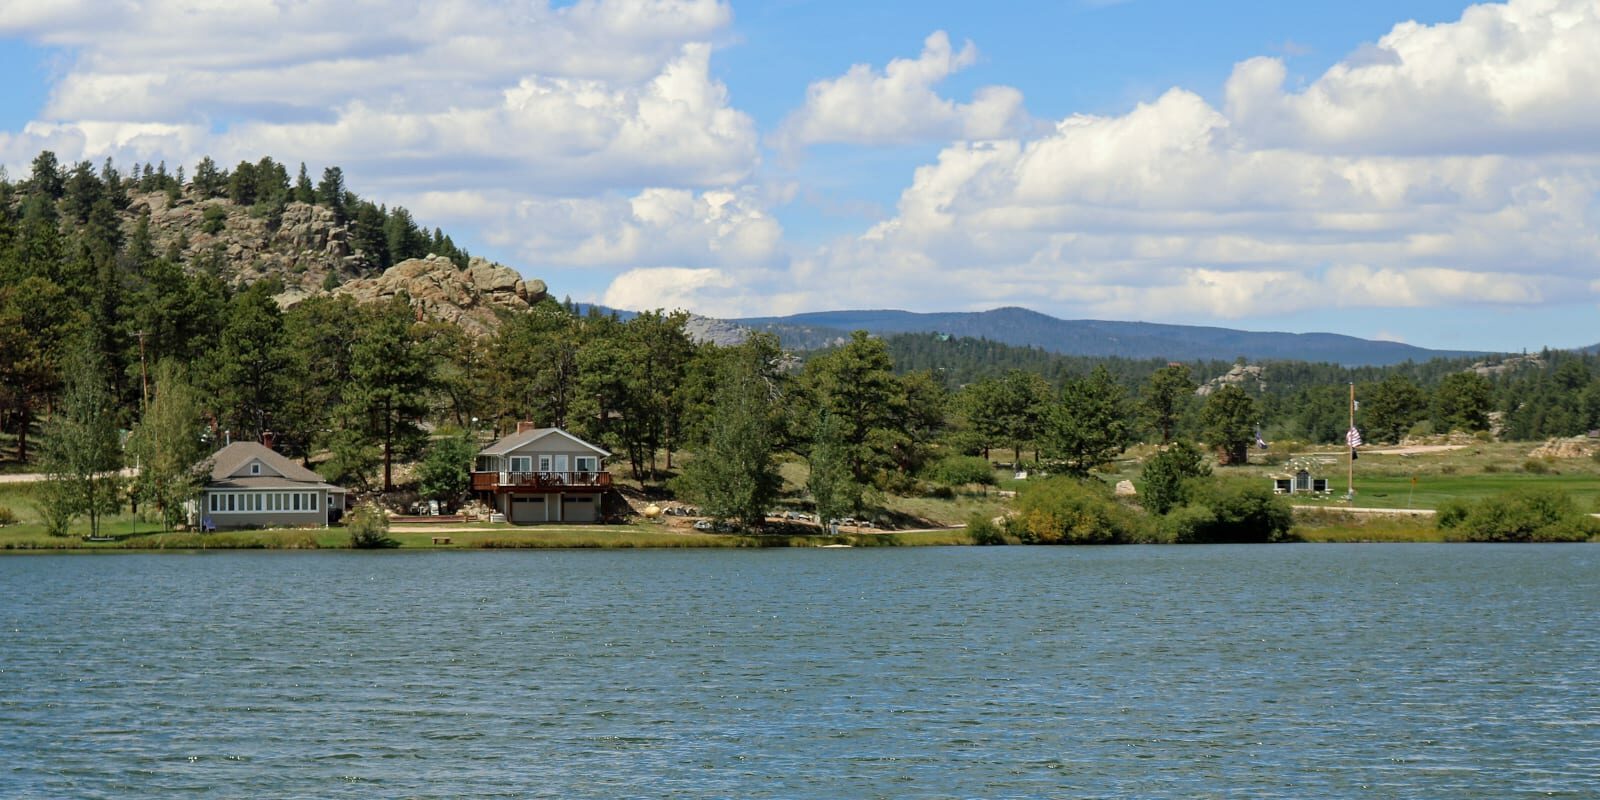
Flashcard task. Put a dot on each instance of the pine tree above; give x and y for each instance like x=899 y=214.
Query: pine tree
x=389 y=380
x=304 y=192
x=733 y=475
x=1089 y=426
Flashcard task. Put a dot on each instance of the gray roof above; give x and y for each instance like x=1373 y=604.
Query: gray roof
x=229 y=459
x=516 y=440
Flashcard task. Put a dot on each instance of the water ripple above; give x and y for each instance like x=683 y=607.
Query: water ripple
x=1285 y=671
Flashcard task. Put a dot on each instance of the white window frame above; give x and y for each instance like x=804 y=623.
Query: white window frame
x=521 y=464
x=544 y=463
x=262 y=502
x=255 y=468
x=586 y=464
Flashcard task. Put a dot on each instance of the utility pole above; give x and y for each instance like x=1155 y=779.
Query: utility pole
x=1350 y=479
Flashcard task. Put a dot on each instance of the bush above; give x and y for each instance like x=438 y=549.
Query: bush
x=1525 y=515
x=7 y=516
x=962 y=471
x=984 y=531
x=369 y=528
x=1537 y=466
x=1451 y=513
x=1232 y=511
x=213 y=219
x=1166 y=474
x=1067 y=511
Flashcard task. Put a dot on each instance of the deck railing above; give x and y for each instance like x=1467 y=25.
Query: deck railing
x=489 y=481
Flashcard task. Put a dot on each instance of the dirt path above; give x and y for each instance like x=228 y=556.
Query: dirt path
x=34 y=477
x=1415 y=512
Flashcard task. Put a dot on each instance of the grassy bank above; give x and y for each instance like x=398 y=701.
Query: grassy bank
x=501 y=537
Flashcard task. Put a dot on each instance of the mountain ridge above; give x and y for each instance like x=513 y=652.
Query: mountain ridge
x=1024 y=327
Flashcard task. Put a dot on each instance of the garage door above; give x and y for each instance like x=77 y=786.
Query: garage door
x=527 y=509
x=578 y=509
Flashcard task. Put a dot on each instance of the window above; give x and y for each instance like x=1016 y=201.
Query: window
x=587 y=464
x=231 y=501
x=313 y=498
x=521 y=464
x=255 y=468
x=296 y=501
x=544 y=464
x=216 y=501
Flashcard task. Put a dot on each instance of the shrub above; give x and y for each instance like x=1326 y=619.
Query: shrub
x=7 y=516
x=962 y=471
x=1537 y=466
x=1067 y=511
x=1527 y=515
x=1165 y=474
x=369 y=528
x=1234 y=511
x=984 y=531
x=1451 y=513
x=213 y=219
x=57 y=509
x=1490 y=469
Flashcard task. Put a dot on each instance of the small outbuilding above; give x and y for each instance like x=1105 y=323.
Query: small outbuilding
x=1300 y=482
x=254 y=486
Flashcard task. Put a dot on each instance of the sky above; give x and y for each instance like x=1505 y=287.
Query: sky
x=1420 y=171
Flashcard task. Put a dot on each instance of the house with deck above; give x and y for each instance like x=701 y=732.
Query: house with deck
x=254 y=486
x=542 y=475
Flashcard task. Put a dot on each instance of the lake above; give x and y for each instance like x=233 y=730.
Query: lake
x=1291 y=671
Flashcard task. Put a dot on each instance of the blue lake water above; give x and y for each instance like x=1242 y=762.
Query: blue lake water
x=1292 y=671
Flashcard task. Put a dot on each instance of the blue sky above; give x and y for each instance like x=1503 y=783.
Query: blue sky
x=1422 y=171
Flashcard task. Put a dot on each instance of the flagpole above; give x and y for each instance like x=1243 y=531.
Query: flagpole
x=1350 y=478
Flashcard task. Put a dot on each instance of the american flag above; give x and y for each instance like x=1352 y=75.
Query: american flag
x=1353 y=438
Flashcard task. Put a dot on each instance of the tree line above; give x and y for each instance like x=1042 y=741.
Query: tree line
x=102 y=333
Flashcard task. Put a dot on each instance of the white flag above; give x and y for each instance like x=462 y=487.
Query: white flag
x=1353 y=438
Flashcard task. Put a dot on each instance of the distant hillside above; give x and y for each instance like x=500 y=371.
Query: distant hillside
x=1021 y=327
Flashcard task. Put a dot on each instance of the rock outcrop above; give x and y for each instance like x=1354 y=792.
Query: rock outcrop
x=311 y=253
x=1572 y=447
x=1249 y=377
x=716 y=331
x=301 y=248
x=1501 y=365
x=437 y=289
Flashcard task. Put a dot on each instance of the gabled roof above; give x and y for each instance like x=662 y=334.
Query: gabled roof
x=230 y=459
x=519 y=440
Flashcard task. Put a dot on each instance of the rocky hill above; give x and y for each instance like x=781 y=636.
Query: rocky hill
x=311 y=253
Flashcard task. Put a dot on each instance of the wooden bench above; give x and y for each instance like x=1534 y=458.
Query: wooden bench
x=441 y=540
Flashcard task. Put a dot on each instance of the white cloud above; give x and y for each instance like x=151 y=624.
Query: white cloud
x=598 y=95
x=1517 y=77
x=900 y=103
x=589 y=134
x=1406 y=177
x=656 y=227
x=669 y=288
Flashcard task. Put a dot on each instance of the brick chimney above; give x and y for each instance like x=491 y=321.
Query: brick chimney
x=525 y=426
x=268 y=438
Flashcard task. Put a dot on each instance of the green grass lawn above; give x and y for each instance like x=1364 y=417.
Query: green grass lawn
x=1428 y=491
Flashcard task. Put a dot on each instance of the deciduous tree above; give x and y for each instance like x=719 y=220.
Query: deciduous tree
x=167 y=445
x=82 y=452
